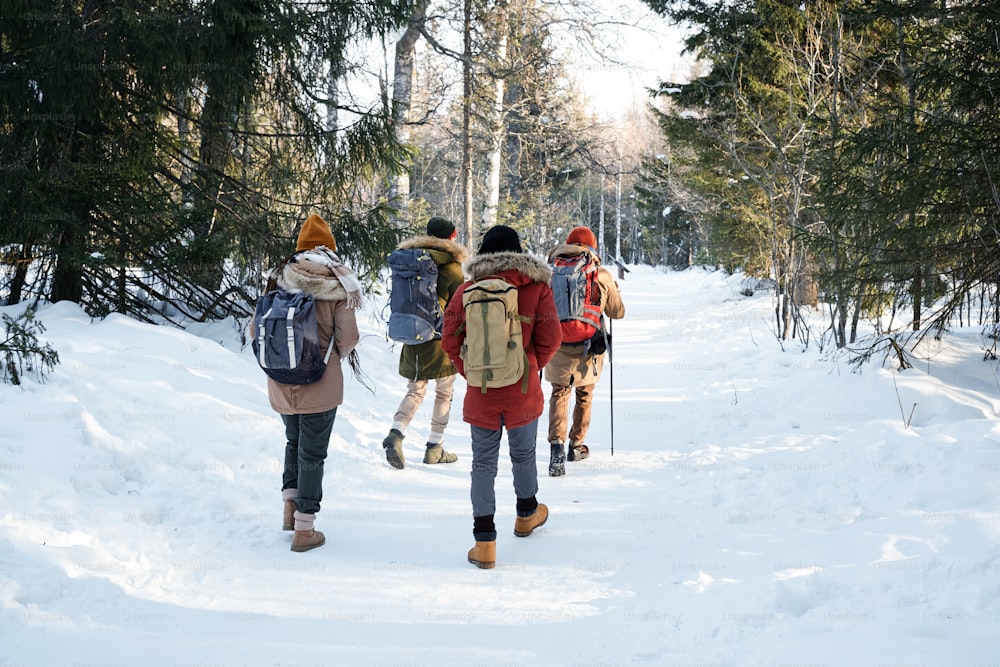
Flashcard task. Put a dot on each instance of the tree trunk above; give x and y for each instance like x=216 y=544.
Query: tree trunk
x=600 y=221
x=67 y=280
x=470 y=236
x=497 y=133
x=23 y=260
x=618 y=210
x=402 y=89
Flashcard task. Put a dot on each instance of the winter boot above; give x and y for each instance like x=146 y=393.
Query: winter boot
x=393 y=445
x=435 y=454
x=288 y=520
x=557 y=460
x=484 y=555
x=577 y=452
x=305 y=538
x=525 y=525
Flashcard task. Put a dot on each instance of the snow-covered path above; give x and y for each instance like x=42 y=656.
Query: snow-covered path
x=762 y=507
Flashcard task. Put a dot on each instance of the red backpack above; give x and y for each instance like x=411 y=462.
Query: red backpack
x=577 y=294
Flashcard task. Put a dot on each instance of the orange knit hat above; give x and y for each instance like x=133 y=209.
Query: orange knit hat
x=582 y=236
x=315 y=232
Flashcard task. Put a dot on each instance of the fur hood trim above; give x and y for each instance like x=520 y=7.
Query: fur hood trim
x=484 y=265
x=572 y=249
x=458 y=251
x=314 y=278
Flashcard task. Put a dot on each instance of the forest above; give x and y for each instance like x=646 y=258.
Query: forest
x=157 y=157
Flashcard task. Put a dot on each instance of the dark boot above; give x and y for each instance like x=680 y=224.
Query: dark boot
x=577 y=452
x=557 y=460
x=393 y=445
x=305 y=538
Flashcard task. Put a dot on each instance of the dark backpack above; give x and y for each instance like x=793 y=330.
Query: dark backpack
x=577 y=294
x=286 y=342
x=415 y=314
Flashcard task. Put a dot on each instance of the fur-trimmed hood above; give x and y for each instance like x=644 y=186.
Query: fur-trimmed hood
x=487 y=264
x=459 y=253
x=572 y=249
x=313 y=277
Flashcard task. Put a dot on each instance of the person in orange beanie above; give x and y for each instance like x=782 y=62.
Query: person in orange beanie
x=308 y=410
x=576 y=367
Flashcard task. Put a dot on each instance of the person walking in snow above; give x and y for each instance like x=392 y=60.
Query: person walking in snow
x=515 y=407
x=308 y=410
x=424 y=362
x=576 y=367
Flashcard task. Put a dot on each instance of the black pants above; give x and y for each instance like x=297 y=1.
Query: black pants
x=308 y=439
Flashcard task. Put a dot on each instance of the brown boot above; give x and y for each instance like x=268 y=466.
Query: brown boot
x=525 y=525
x=305 y=538
x=288 y=520
x=484 y=555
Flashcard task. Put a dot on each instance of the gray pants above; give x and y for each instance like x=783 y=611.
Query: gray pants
x=486 y=457
x=308 y=438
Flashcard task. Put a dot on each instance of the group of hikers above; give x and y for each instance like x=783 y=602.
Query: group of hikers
x=501 y=356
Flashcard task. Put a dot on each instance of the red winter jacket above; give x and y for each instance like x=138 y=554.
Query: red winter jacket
x=542 y=337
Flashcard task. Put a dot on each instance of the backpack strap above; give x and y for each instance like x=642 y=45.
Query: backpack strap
x=290 y=331
x=260 y=337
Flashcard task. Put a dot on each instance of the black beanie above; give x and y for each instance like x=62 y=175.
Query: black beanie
x=500 y=239
x=440 y=227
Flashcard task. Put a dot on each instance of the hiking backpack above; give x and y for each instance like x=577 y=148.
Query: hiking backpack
x=493 y=352
x=577 y=294
x=415 y=313
x=286 y=343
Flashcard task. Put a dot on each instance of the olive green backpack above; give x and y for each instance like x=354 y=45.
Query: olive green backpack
x=493 y=351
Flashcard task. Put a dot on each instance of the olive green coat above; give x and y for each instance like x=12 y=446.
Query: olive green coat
x=427 y=361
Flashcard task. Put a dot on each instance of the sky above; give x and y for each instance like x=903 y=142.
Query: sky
x=644 y=50
x=638 y=49
x=747 y=501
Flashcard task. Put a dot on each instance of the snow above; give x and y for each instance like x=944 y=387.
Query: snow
x=764 y=505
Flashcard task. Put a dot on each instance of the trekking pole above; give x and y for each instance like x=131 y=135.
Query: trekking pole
x=611 y=378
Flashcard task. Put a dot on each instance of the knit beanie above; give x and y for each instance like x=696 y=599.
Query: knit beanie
x=440 y=227
x=583 y=236
x=500 y=239
x=315 y=232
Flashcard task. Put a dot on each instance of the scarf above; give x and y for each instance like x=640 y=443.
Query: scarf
x=347 y=277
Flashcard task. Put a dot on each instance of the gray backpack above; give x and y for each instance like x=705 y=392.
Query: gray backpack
x=286 y=342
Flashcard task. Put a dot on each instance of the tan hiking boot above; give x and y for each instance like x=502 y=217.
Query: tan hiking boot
x=304 y=540
x=525 y=525
x=305 y=537
x=484 y=555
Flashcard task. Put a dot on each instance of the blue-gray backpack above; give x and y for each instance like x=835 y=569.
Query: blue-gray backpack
x=286 y=343
x=576 y=291
x=415 y=314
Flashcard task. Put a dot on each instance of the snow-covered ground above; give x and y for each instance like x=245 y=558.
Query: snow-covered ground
x=762 y=507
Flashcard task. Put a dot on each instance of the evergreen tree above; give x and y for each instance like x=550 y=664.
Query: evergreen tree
x=165 y=151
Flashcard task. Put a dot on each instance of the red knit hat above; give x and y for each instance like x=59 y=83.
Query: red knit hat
x=315 y=232
x=583 y=236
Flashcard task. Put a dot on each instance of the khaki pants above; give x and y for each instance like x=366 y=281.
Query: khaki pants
x=415 y=392
x=559 y=413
